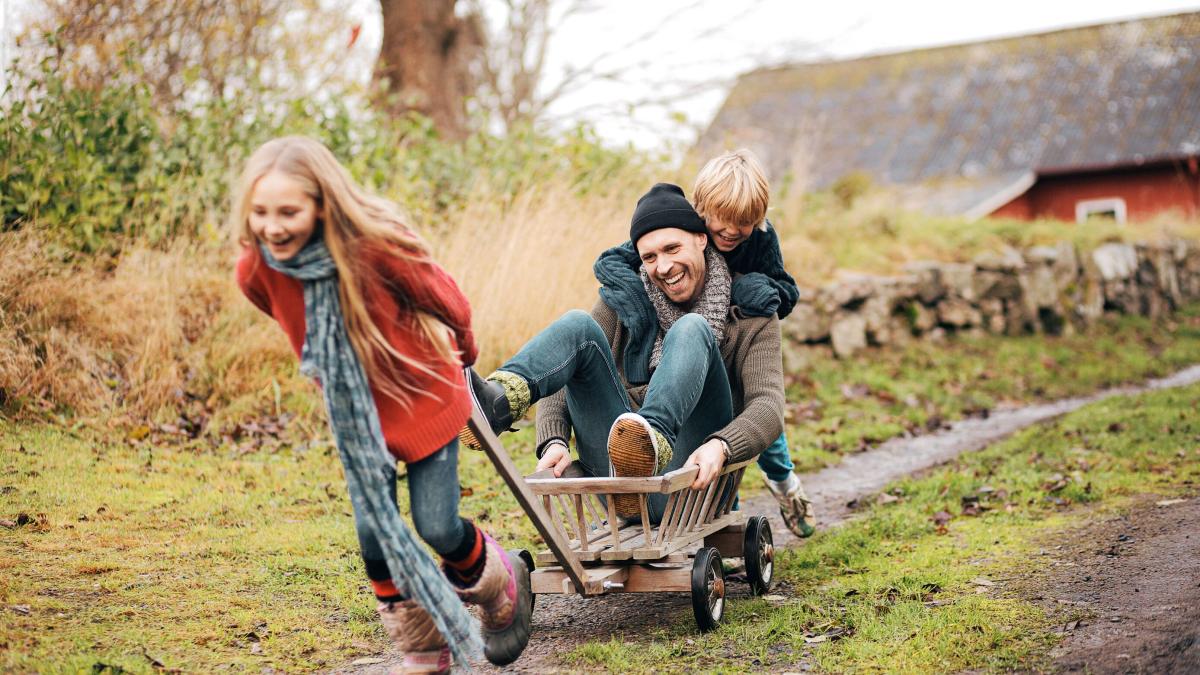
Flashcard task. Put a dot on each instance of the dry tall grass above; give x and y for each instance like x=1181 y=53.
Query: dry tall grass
x=155 y=333
x=820 y=238
x=158 y=333
x=525 y=264
x=144 y=336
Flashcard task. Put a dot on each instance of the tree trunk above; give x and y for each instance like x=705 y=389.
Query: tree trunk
x=425 y=63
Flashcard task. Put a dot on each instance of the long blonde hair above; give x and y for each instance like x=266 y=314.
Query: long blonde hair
x=350 y=217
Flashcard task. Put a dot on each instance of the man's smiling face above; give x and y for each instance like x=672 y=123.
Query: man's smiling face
x=674 y=260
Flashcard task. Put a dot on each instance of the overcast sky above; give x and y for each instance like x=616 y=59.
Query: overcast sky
x=748 y=34
x=663 y=49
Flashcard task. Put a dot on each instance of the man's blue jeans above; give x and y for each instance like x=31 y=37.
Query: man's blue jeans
x=688 y=397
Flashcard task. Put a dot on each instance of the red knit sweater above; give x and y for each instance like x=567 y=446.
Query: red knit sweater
x=393 y=287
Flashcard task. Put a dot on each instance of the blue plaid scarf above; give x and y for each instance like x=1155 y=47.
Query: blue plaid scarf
x=329 y=356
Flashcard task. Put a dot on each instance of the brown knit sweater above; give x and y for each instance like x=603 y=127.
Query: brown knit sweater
x=751 y=351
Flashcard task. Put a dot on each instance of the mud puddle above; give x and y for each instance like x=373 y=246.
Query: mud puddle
x=561 y=623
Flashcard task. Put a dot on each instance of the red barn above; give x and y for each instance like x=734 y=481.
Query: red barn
x=1102 y=121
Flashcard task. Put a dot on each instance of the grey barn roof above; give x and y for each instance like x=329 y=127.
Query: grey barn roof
x=973 y=115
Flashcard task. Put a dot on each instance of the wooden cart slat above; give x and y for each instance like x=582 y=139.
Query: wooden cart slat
x=680 y=543
x=579 y=527
x=655 y=577
x=664 y=484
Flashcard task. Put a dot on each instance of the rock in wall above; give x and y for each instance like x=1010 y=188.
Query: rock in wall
x=1044 y=289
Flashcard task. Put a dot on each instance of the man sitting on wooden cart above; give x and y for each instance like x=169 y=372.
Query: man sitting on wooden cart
x=678 y=366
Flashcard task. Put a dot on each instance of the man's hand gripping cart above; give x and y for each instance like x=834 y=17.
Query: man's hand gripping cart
x=593 y=552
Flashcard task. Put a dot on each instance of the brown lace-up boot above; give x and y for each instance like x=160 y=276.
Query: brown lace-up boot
x=505 y=601
x=414 y=632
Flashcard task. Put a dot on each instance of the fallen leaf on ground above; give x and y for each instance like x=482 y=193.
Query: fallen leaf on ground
x=366 y=661
x=139 y=432
x=980 y=581
x=826 y=636
x=1170 y=502
x=854 y=391
x=885 y=498
x=941 y=518
x=1056 y=482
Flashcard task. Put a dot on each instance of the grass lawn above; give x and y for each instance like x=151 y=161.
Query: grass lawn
x=843 y=406
x=131 y=552
x=917 y=584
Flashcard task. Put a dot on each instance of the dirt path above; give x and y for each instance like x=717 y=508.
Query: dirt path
x=1134 y=580
x=869 y=472
x=562 y=623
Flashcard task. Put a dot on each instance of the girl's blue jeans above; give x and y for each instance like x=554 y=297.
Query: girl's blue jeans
x=688 y=397
x=433 y=494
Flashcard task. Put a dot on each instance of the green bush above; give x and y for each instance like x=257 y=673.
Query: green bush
x=95 y=166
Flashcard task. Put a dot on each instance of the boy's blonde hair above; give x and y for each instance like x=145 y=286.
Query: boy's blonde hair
x=733 y=188
x=351 y=217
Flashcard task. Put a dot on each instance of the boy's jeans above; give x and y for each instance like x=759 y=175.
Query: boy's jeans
x=688 y=397
x=776 y=460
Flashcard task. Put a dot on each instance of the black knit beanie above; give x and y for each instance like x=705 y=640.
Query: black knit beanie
x=664 y=206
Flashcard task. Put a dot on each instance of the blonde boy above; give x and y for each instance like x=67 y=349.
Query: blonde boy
x=732 y=194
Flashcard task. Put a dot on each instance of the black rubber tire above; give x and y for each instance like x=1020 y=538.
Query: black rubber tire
x=708 y=589
x=758 y=551
x=528 y=558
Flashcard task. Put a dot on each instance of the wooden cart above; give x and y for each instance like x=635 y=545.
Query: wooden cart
x=591 y=551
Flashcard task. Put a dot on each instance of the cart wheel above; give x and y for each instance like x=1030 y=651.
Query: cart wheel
x=758 y=549
x=528 y=558
x=708 y=589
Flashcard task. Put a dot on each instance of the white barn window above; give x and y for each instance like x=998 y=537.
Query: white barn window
x=1108 y=207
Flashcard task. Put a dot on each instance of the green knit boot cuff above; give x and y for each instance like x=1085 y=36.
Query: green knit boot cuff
x=664 y=451
x=516 y=390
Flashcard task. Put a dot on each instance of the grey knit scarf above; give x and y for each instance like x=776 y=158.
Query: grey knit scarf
x=329 y=356
x=713 y=303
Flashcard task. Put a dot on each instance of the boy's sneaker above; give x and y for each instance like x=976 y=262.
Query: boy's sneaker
x=500 y=398
x=794 y=506
x=635 y=449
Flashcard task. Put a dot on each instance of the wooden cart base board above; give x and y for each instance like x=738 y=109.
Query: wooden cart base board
x=666 y=574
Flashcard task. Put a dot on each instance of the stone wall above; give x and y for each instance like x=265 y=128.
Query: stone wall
x=1045 y=289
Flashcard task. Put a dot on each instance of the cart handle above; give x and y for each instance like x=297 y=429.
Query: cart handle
x=482 y=429
x=664 y=484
